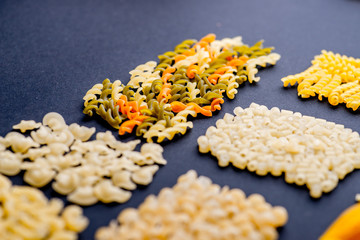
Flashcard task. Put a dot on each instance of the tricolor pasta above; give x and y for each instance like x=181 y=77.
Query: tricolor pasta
x=103 y=170
x=25 y=213
x=190 y=80
x=195 y=208
x=309 y=151
x=332 y=76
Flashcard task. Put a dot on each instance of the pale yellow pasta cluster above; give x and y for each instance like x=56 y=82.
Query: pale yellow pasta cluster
x=309 y=151
x=332 y=76
x=195 y=208
x=26 y=214
x=87 y=171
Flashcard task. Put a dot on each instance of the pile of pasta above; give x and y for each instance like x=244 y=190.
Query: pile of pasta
x=332 y=76
x=25 y=213
x=308 y=150
x=87 y=171
x=192 y=79
x=195 y=208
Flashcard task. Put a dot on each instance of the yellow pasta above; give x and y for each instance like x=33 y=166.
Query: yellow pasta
x=195 y=208
x=331 y=76
x=25 y=213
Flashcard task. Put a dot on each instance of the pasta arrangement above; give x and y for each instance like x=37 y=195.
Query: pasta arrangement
x=332 y=76
x=309 y=151
x=87 y=171
x=26 y=214
x=190 y=80
x=195 y=208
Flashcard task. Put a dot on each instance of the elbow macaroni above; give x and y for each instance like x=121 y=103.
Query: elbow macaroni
x=87 y=171
x=309 y=151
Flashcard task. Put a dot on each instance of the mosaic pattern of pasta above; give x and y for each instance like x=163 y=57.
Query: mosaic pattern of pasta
x=192 y=79
x=332 y=76
x=309 y=151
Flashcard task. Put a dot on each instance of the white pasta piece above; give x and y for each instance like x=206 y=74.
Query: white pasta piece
x=83 y=196
x=153 y=152
x=40 y=136
x=74 y=219
x=63 y=136
x=195 y=208
x=39 y=177
x=10 y=163
x=309 y=151
x=87 y=171
x=357 y=197
x=91 y=94
x=25 y=125
x=106 y=192
x=55 y=121
x=19 y=143
x=144 y=175
x=122 y=178
x=29 y=215
x=81 y=132
x=116 y=90
x=66 y=182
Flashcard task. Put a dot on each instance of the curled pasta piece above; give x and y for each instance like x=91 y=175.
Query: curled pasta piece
x=24 y=125
x=81 y=132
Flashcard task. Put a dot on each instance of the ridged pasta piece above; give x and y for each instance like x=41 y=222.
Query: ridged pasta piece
x=195 y=74
x=332 y=76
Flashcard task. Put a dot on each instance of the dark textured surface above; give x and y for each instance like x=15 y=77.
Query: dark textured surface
x=52 y=52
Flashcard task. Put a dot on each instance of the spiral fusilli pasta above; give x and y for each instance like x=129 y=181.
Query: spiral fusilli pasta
x=332 y=76
x=194 y=77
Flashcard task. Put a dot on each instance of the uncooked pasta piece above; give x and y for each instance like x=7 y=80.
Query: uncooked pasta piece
x=196 y=208
x=309 y=151
x=87 y=171
x=332 y=76
x=190 y=80
x=25 y=213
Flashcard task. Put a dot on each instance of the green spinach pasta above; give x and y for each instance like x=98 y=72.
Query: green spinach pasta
x=190 y=80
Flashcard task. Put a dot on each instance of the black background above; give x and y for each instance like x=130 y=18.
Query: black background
x=52 y=52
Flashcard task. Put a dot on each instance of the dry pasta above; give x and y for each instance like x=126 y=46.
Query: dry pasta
x=194 y=77
x=309 y=151
x=332 y=76
x=25 y=213
x=195 y=208
x=103 y=170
